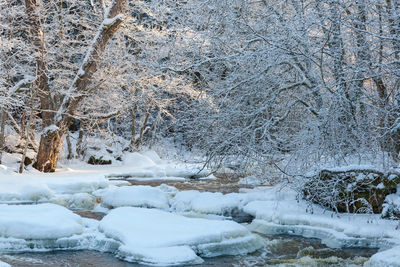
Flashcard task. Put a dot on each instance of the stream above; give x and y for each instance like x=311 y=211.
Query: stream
x=280 y=250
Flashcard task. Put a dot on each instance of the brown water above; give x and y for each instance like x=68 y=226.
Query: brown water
x=224 y=183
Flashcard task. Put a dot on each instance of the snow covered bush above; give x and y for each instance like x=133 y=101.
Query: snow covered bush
x=391 y=207
x=359 y=190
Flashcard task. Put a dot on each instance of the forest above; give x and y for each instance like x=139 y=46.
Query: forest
x=283 y=115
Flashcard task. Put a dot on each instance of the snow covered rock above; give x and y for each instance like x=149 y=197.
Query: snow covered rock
x=160 y=238
x=135 y=196
x=387 y=258
x=42 y=221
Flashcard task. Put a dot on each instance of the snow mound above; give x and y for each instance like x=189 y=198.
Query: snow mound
x=387 y=258
x=43 y=221
x=4 y=264
x=138 y=160
x=157 y=237
x=136 y=196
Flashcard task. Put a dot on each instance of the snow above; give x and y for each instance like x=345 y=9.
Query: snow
x=136 y=196
x=42 y=221
x=387 y=258
x=110 y=21
x=4 y=264
x=50 y=129
x=82 y=201
x=206 y=202
x=214 y=203
x=138 y=160
x=154 y=236
x=45 y=187
x=286 y=215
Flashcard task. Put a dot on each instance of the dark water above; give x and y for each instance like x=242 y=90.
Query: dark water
x=280 y=250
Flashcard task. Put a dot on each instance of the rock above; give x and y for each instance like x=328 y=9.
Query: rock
x=358 y=190
x=98 y=161
x=28 y=161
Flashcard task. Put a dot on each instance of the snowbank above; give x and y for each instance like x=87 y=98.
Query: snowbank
x=4 y=264
x=157 y=237
x=289 y=216
x=42 y=221
x=135 y=196
x=31 y=188
x=387 y=258
x=215 y=203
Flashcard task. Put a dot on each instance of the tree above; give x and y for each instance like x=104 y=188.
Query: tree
x=57 y=108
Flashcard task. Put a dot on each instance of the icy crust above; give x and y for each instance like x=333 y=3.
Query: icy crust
x=387 y=258
x=135 y=196
x=158 y=237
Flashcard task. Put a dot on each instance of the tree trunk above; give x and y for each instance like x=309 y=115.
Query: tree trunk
x=49 y=148
x=143 y=128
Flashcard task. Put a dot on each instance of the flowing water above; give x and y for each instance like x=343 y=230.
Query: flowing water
x=279 y=250
x=282 y=250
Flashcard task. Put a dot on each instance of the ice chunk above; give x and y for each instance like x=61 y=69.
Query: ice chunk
x=144 y=232
x=43 y=221
x=171 y=191
x=387 y=258
x=206 y=202
x=176 y=255
x=82 y=201
x=136 y=196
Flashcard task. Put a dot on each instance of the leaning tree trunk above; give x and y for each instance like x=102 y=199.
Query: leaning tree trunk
x=54 y=119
